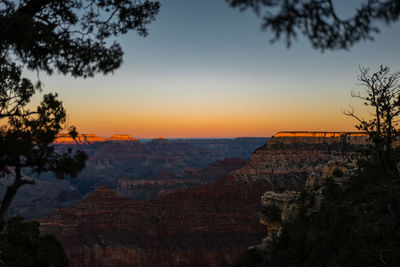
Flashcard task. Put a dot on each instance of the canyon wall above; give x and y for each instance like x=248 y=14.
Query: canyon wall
x=241 y=147
x=137 y=170
x=208 y=225
x=213 y=224
x=166 y=182
x=288 y=158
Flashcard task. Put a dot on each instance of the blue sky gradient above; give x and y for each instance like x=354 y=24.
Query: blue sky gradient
x=206 y=70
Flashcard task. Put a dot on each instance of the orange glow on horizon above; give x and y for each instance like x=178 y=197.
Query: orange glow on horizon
x=214 y=127
x=208 y=123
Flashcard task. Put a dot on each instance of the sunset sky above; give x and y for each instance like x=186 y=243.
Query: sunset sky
x=206 y=70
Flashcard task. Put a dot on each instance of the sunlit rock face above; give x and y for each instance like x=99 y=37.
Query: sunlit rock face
x=66 y=139
x=121 y=137
x=318 y=134
x=321 y=137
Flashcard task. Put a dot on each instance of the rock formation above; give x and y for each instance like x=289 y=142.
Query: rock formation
x=66 y=139
x=81 y=139
x=241 y=147
x=42 y=198
x=113 y=160
x=360 y=138
x=166 y=182
x=110 y=161
x=208 y=225
x=129 y=160
x=286 y=161
x=121 y=137
x=281 y=207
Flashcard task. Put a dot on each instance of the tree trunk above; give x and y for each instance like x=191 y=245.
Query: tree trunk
x=9 y=196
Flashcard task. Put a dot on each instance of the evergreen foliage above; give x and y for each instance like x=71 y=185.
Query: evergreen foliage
x=74 y=37
x=319 y=21
x=22 y=246
x=26 y=140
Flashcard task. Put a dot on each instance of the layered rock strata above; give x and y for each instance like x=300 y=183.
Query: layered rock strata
x=150 y=164
x=210 y=225
x=166 y=182
x=286 y=161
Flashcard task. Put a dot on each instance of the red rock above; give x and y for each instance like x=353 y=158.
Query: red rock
x=66 y=139
x=209 y=225
x=121 y=137
x=220 y=168
x=212 y=224
x=166 y=182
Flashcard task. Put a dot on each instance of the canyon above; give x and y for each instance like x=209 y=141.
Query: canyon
x=156 y=167
x=166 y=182
x=212 y=224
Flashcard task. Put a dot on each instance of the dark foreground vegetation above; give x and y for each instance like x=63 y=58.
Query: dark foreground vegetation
x=22 y=245
x=356 y=226
x=73 y=37
x=359 y=223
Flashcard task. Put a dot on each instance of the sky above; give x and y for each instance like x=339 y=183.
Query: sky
x=207 y=70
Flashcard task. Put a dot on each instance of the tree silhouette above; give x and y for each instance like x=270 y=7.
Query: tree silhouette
x=382 y=96
x=318 y=21
x=72 y=36
x=26 y=141
x=75 y=37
